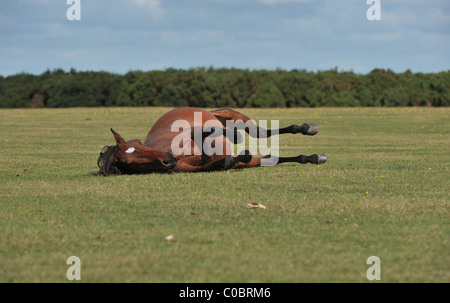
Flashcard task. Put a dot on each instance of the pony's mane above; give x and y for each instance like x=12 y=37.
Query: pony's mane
x=107 y=161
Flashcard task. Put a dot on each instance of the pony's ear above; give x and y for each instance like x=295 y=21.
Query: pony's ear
x=118 y=137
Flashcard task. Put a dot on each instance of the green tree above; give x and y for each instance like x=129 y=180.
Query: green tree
x=268 y=95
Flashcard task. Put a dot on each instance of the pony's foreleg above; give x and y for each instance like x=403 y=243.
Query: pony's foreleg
x=255 y=131
x=197 y=163
x=270 y=161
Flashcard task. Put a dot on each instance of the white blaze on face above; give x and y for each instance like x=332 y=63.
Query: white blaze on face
x=130 y=150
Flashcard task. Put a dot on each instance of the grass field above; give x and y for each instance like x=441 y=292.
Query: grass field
x=384 y=192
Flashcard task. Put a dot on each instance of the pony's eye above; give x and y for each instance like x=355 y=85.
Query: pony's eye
x=130 y=150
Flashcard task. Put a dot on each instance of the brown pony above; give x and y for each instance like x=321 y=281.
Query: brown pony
x=156 y=153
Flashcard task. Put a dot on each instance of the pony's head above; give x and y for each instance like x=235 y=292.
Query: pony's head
x=133 y=157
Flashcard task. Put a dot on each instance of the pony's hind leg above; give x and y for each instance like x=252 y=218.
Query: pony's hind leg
x=272 y=160
x=303 y=159
x=244 y=122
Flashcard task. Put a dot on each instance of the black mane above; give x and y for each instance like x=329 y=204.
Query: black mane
x=107 y=161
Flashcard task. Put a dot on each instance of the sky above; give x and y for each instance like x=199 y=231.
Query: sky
x=122 y=35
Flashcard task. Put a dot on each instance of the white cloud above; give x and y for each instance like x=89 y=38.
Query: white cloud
x=153 y=7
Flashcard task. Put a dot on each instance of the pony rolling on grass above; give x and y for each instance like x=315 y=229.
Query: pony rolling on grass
x=157 y=154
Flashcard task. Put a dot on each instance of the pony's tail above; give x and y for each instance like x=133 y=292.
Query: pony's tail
x=107 y=161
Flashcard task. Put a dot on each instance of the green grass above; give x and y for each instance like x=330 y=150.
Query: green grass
x=384 y=192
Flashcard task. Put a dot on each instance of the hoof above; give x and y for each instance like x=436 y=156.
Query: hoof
x=229 y=163
x=309 y=129
x=244 y=156
x=319 y=159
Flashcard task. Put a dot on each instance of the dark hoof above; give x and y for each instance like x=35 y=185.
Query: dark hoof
x=229 y=163
x=244 y=157
x=318 y=159
x=309 y=129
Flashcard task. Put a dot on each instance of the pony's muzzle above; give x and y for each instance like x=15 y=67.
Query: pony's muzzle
x=171 y=161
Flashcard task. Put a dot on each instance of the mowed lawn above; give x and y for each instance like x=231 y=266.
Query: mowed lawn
x=384 y=192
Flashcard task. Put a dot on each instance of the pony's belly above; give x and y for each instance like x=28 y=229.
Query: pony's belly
x=182 y=145
x=215 y=147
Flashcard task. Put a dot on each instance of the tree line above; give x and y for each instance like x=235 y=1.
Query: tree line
x=210 y=87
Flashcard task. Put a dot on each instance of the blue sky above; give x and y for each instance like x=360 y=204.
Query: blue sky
x=119 y=35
